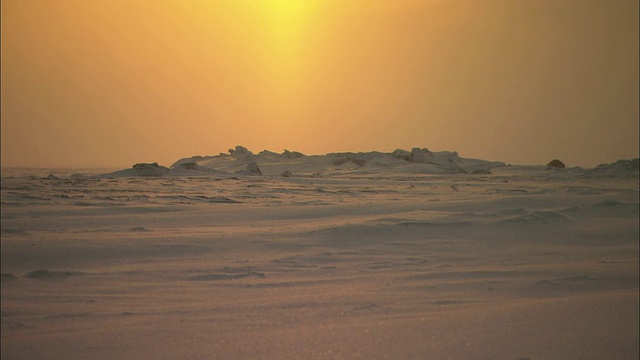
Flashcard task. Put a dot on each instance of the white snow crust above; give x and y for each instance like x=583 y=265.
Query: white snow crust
x=404 y=255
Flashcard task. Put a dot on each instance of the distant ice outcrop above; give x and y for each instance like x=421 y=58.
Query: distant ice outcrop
x=140 y=170
x=625 y=168
x=339 y=159
x=401 y=154
x=189 y=166
x=252 y=169
x=184 y=167
x=241 y=160
x=241 y=153
x=152 y=169
x=416 y=155
x=292 y=154
x=555 y=163
x=416 y=161
x=421 y=156
x=267 y=153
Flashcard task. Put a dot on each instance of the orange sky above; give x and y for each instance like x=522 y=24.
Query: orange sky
x=113 y=83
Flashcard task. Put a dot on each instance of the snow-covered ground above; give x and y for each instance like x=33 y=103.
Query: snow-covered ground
x=410 y=255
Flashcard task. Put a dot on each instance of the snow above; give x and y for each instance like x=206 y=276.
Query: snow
x=337 y=256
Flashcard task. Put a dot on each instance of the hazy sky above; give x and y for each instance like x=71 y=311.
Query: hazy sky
x=116 y=82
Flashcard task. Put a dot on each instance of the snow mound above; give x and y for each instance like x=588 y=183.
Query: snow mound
x=140 y=170
x=243 y=161
x=252 y=169
x=555 y=163
x=620 y=168
x=420 y=161
x=241 y=153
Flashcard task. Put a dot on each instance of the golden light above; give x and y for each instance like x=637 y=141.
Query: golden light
x=286 y=23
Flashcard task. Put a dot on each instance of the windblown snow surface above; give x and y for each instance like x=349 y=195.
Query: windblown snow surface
x=404 y=255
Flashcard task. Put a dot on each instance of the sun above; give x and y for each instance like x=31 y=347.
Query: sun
x=285 y=20
x=286 y=8
x=286 y=26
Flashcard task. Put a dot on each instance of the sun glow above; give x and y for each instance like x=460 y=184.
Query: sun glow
x=286 y=27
